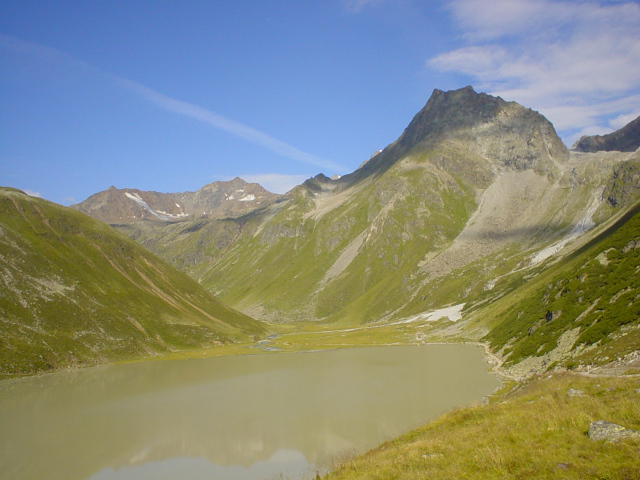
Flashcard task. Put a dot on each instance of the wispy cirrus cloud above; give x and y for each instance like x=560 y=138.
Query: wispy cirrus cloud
x=578 y=62
x=223 y=123
x=174 y=105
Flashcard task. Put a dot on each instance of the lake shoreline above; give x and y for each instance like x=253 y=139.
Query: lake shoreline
x=242 y=410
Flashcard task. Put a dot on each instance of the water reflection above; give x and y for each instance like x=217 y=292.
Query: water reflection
x=283 y=464
x=234 y=416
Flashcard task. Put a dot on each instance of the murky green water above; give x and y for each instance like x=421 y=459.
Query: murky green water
x=244 y=417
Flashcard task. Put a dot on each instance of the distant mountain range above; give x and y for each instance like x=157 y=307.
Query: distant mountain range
x=476 y=202
x=475 y=189
x=215 y=200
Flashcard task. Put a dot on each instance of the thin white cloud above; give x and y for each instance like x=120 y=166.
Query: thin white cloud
x=275 y=182
x=31 y=193
x=223 y=123
x=173 y=105
x=623 y=120
x=42 y=53
x=491 y=19
x=578 y=62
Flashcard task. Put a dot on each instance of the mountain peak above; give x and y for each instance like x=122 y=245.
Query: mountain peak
x=626 y=139
x=505 y=133
x=446 y=111
x=468 y=90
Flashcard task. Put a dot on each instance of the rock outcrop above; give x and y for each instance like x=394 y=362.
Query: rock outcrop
x=625 y=182
x=603 y=430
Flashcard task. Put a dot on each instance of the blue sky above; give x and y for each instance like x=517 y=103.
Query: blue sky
x=170 y=96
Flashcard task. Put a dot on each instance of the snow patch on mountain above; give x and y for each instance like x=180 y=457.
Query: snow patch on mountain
x=583 y=226
x=160 y=214
x=452 y=313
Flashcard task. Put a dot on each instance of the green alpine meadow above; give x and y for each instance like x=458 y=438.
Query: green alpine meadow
x=77 y=293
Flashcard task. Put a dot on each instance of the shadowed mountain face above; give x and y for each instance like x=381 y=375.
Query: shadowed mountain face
x=73 y=291
x=475 y=190
x=215 y=200
x=627 y=139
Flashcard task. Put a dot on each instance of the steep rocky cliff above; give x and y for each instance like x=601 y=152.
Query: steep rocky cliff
x=505 y=133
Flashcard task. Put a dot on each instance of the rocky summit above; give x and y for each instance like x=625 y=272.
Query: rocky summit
x=505 y=133
x=627 y=139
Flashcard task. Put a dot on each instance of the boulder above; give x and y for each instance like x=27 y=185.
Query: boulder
x=603 y=430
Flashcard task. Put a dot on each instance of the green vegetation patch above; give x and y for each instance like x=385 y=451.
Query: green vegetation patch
x=595 y=292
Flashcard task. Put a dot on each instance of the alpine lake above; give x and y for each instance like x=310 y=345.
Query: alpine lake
x=263 y=416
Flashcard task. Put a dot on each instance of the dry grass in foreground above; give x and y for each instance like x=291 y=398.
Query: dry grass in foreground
x=539 y=432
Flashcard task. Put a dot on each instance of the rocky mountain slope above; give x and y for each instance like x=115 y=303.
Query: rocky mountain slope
x=583 y=311
x=215 y=200
x=475 y=189
x=73 y=291
x=579 y=312
x=627 y=139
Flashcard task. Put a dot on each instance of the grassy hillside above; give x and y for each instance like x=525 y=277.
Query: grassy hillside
x=351 y=257
x=389 y=246
x=353 y=261
x=539 y=432
x=584 y=310
x=73 y=291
